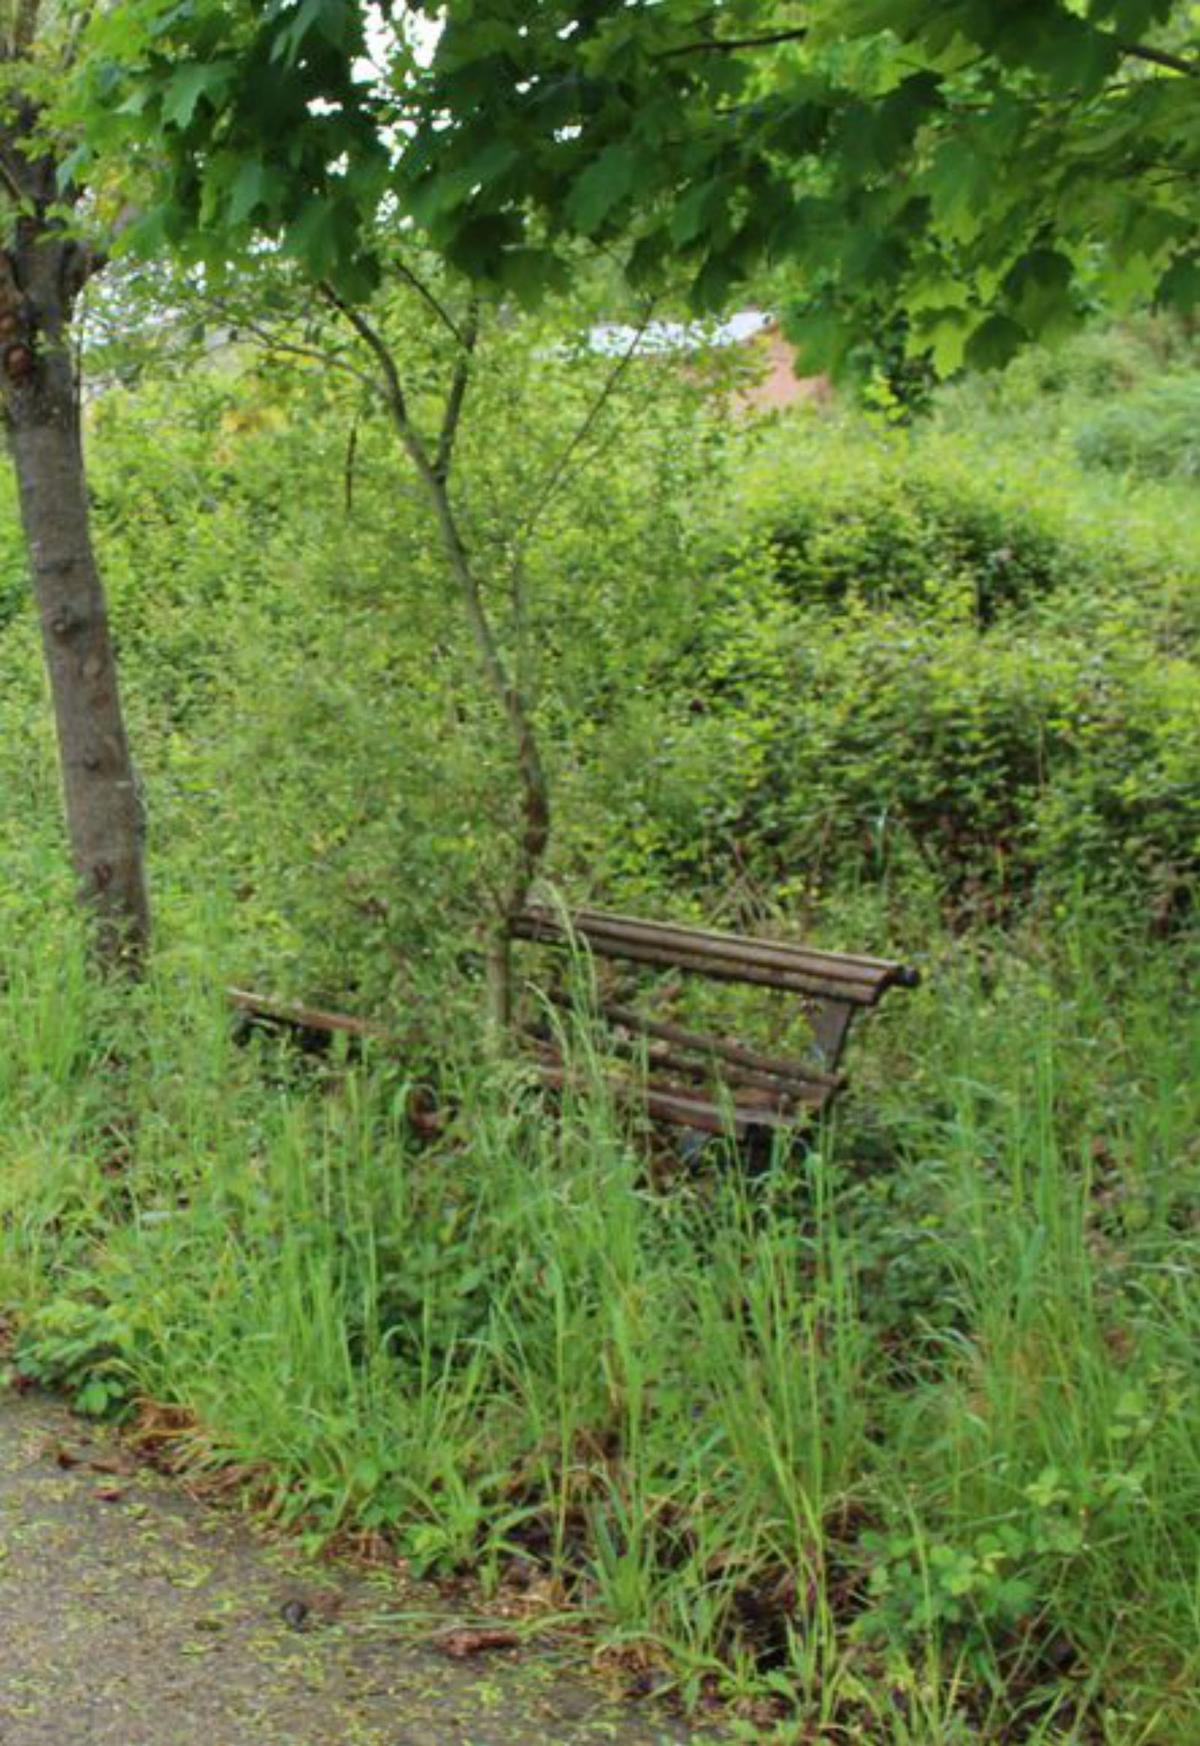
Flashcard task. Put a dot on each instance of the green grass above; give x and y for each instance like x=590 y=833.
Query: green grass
x=903 y=1436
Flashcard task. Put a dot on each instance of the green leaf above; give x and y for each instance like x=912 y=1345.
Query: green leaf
x=1180 y=285
x=189 y=85
x=602 y=186
x=1039 y=290
x=310 y=238
x=337 y=23
x=711 y=286
x=1132 y=16
x=822 y=340
x=961 y=185
x=689 y=215
x=70 y=167
x=249 y=190
x=936 y=290
x=530 y=273
x=994 y=343
x=491 y=163
x=943 y=334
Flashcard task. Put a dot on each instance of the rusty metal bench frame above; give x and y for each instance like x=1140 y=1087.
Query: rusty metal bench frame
x=712 y=1084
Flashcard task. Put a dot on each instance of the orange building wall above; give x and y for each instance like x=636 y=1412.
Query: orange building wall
x=780 y=386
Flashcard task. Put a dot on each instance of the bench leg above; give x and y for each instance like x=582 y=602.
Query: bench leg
x=830 y=1020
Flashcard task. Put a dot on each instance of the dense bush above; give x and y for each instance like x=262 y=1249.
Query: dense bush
x=1023 y=761
x=800 y=660
x=1154 y=432
x=1046 y=393
x=950 y=525
x=811 y=748
x=868 y=519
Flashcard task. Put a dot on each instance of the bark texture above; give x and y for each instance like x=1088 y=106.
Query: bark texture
x=41 y=275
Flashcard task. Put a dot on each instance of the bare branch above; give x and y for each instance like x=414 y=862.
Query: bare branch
x=1141 y=51
x=289 y=348
x=427 y=296
x=771 y=39
x=76 y=32
x=393 y=388
x=348 y=471
x=560 y=468
x=458 y=392
x=271 y=341
x=8 y=177
x=727 y=45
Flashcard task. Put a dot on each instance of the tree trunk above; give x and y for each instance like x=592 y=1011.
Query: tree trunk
x=39 y=281
x=433 y=469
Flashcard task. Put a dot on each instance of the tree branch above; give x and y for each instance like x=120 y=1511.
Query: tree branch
x=535 y=800
x=273 y=342
x=733 y=44
x=725 y=45
x=348 y=470
x=1141 y=51
x=427 y=296
x=458 y=393
x=393 y=388
x=559 y=470
x=75 y=34
x=8 y=178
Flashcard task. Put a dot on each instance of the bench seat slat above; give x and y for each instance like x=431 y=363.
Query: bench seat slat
x=736 y=1054
x=292 y=1016
x=737 y=1079
x=700 y=1073
x=682 y=1106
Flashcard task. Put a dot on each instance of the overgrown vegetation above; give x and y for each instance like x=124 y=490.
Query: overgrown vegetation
x=898 y=1440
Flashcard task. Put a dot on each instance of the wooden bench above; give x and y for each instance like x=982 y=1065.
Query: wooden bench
x=694 y=1079
x=705 y=1082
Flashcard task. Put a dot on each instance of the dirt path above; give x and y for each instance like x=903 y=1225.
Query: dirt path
x=132 y=1616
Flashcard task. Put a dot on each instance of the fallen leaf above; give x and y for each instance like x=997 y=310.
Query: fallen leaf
x=123 y=1466
x=461 y=1645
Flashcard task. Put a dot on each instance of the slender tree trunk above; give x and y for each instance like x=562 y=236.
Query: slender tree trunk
x=433 y=469
x=534 y=830
x=39 y=281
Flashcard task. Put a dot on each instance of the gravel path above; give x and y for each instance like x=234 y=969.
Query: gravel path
x=130 y=1615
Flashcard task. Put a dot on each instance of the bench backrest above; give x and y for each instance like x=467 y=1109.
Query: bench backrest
x=840 y=976
x=833 y=985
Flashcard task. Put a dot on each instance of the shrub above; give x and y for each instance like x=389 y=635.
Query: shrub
x=849 y=656
x=1154 y=433
x=1027 y=760
x=851 y=516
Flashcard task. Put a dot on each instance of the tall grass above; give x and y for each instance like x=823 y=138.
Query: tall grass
x=901 y=1437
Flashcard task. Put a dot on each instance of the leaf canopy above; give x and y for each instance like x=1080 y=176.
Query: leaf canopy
x=985 y=169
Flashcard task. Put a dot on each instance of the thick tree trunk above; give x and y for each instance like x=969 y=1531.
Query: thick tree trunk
x=103 y=809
